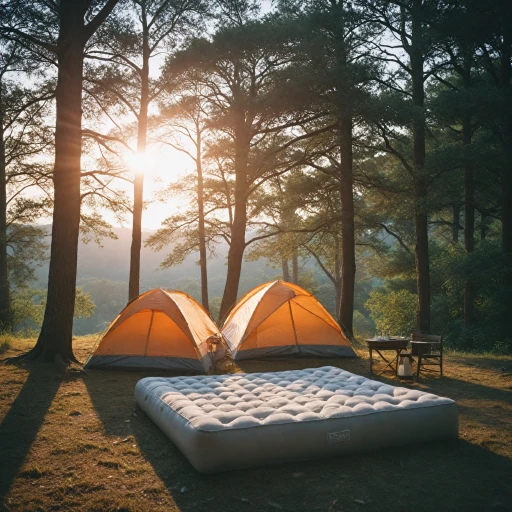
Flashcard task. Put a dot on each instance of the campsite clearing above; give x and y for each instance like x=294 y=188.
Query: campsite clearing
x=77 y=442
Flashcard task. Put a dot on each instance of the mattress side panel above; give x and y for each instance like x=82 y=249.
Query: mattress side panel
x=173 y=425
x=230 y=449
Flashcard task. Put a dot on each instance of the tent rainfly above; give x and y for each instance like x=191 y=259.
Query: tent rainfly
x=280 y=319
x=165 y=330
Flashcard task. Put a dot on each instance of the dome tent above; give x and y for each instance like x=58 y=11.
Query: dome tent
x=166 y=330
x=280 y=319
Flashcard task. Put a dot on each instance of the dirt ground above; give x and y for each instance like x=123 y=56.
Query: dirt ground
x=76 y=441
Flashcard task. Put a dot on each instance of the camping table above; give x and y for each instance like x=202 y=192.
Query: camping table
x=396 y=345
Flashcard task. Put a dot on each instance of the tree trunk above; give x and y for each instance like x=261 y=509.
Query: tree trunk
x=295 y=266
x=337 y=298
x=235 y=259
x=55 y=339
x=420 y=186
x=422 y=262
x=237 y=245
x=469 y=224
x=285 y=269
x=134 y=276
x=138 y=185
x=202 y=239
x=348 y=252
x=348 y=255
x=5 y=295
x=337 y=278
x=56 y=336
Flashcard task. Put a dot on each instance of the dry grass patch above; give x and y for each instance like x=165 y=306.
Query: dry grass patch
x=33 y=472
x=77 y=442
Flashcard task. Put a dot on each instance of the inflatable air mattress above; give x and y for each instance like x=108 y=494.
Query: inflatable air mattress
x=225 y=422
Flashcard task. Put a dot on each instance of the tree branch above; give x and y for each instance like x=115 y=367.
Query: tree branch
x=47 y=46
x=96 y=22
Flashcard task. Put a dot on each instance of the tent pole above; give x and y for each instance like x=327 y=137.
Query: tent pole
x=149 y=332
x=293 y=325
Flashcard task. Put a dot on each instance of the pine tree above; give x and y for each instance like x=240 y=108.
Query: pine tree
x=62 y=30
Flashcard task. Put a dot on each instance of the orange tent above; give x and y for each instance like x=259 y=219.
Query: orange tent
x=160 y=329
x=278 y=319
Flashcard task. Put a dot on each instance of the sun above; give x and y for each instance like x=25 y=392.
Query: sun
x=139 y=162
x=166 y=164
x=159 y=167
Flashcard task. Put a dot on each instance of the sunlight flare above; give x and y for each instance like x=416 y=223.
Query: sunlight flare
x=140 y=163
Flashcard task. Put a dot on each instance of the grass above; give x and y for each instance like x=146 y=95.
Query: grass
x=77 y=442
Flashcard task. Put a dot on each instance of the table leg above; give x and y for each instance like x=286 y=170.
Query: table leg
x=389 y=363
x=383 y=358
x=371 y=362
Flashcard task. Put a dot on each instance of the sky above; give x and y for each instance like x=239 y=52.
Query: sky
x=166 y=166
x=169 y=168
x=162 y=167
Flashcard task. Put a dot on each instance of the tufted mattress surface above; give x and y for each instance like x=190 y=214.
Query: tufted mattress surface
x=230 y=421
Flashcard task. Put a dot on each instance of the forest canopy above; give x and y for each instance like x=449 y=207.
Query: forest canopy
x=362 y=149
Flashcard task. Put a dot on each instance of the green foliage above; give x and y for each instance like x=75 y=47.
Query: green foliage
x=394 y=311
x=190 y=286
x=84 y=306
x=308 y=281
x=363 y=327
x=451 y=267
x=5 y=345
x=503 y=347
x=214 y=304
x=325 y=294
x=28 y=305
x=109 y=298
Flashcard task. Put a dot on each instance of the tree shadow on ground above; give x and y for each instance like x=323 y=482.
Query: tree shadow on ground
x=450 y=476
x=111 y=393
x=23 y=420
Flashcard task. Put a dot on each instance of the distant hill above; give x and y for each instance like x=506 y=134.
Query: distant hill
x=112 y=262
x=103 y=272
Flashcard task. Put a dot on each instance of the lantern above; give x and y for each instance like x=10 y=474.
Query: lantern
x=404 y=367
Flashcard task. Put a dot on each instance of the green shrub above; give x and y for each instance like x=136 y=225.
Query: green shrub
x=28 y=305
x=363 y=327
x=394 y=311
x=503 y=347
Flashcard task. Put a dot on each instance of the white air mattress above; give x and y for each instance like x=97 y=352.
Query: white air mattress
x=232 y=421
